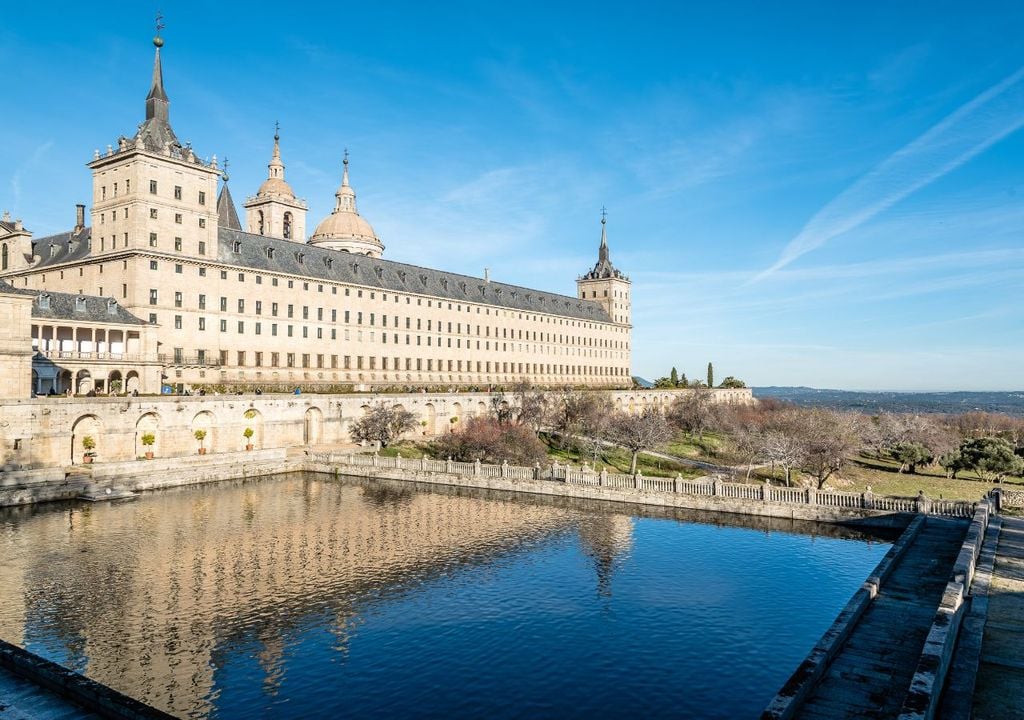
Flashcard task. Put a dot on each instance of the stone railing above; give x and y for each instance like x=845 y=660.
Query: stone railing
x=92 y=355
x=708 y=486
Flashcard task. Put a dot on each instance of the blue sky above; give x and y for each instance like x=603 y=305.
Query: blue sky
x=816 y=195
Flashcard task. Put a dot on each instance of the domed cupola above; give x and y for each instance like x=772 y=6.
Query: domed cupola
x=345 y=229
x=274 y=210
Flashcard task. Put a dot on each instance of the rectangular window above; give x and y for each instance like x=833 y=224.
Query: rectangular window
x=152 y=187
x=153 y=265
x=202 y=302
x=202 y=272
x=273 y=309
x=259 y=359
x=223 y=304
x=291 y=311
x=259 y=328
x=241 y=306
x=152 y=318
x=202 y=222
x=223 y=325
x=202 y=246
x=241 y=327
x=259 y=307
x=241 y=358
x=177 y=322
x=177 y=192
x=178 y=269
x=152 y=296
x=177 y=218
x=202 y=197
x=275 y=359
x=152 y=214
x=305 y=360
x=177 y=299
x=290 y=330
x=291 y=359
x=152 y=239
x=202 y=323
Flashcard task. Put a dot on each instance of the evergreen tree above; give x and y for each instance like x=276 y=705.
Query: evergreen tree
x=711 y=376
x=683 y=382
x=674 y=377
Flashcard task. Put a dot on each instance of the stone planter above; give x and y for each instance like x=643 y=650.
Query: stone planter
x=87 y=459
x=202 y=451
x=248 y=446
x=149 y=454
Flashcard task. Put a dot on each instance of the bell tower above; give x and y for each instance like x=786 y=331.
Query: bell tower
x=274 y=210
x=606 y=285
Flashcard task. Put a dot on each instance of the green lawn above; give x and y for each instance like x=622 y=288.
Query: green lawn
x=617 y=461
x=882 y=476
x=407 y=449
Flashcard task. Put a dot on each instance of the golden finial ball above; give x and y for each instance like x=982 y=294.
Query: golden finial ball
x=158 y=41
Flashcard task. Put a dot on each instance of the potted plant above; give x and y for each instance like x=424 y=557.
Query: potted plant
x=248 y=433
x=148 y=439
x=89 y=444
x=200 y=435
x=423 y=424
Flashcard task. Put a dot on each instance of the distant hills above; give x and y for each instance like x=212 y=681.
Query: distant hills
x=1011 y=402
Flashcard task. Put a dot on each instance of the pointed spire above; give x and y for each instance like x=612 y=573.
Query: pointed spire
x=345 y=194
x=156 y=91
x=602 y=252
x=156 y=132
x=276 y=167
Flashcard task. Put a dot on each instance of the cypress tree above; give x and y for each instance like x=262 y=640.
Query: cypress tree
x=711 y=376
x=674 y=377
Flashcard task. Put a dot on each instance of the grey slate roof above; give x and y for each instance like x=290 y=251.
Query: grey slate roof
x=340 y=267
x=227 y=216
x=355 y=269
x=68 y=306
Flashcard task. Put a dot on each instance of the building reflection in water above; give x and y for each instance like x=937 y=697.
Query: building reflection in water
x=145 y=596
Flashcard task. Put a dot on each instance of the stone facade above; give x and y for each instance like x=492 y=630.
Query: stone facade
x=267 y=308
x=48 y=432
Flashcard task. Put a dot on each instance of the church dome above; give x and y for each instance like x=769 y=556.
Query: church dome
x=345 y=229
x=275 y=185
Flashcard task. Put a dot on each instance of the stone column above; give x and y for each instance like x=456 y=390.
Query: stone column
x=504 y=468
x=677 y=483
x=476 y=468
x=638 y=480
x=602 y=479
x=766 y=491
x=448 y=465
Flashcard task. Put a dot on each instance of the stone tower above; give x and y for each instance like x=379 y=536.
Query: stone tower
x=274 y=210
x=345 y=229
x=151 y=192
x=15 y=244
x=605 y=284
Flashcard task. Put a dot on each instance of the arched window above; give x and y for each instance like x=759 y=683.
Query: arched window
x=287 y=226
x=3 y=257
x=259 y=228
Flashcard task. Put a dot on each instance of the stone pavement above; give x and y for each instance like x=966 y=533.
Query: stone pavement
x=870 y=675
x=999 y=689
x=22 y=699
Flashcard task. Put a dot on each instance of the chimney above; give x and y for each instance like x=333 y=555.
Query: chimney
x=487 y=275
x=79 y=218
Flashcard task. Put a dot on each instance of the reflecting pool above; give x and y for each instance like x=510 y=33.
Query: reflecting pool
x=309 y=596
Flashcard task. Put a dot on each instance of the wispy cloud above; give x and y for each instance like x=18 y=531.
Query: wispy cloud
x=31 y=162
x=969 y=130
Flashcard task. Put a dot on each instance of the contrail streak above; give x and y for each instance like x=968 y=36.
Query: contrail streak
x=969 y=130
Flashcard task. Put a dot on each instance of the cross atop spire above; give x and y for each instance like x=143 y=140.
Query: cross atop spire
x=224 y=175
x=277 y=130
x=604 y=214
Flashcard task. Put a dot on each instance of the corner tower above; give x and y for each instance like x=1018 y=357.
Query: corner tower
x=274 y=210
x=345 y=229
x=151 y=191
x=605 y=284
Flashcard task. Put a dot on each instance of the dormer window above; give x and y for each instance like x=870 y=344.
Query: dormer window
x=111 y=306
x=270 y=253
x=379 y=272
x=298 y=258
x=329 y=263
x=79 y=304
x=237 y=248
x=53 y=250
x=44 y=301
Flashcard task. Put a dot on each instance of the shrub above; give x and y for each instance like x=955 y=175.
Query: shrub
x=488 y=440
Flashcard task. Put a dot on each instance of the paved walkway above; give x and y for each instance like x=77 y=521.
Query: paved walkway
x=870 y=676
x=999 y=689
x=22 y=699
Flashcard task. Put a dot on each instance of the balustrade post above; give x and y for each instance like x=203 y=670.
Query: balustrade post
x=423 y=463
x=374 y=459
x=812 y=496
x=554 y=470
x=716 y=487
x=504 y=468
x=766 y=492
x=868 y=499
x=638 y=480
x=476 y=468
x=536 y=471
x=448 y=465
x=602 y=479
x=677 y=483
x=922 y=503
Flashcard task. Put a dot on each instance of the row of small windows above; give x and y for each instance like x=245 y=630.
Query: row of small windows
x=178 y=193
x=306 y=360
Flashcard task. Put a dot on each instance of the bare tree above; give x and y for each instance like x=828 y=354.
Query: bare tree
x=383 y=424
x=639 y=432
x=784 y=450
x=827 y=437
x=695 y=412
x=487 y=439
